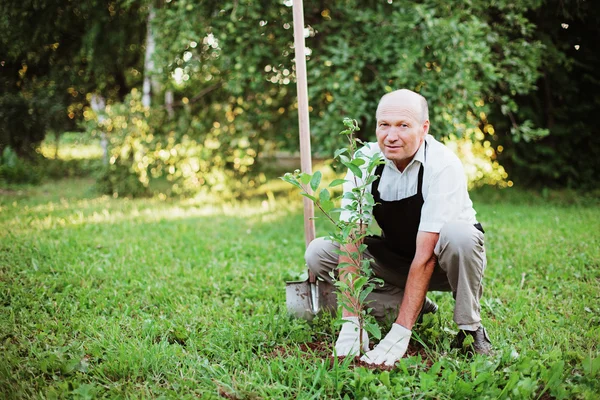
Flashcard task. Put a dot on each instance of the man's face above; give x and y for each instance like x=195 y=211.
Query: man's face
x=400 y=128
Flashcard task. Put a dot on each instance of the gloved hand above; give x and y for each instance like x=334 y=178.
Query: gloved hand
x=348 y=343
x=391 y=348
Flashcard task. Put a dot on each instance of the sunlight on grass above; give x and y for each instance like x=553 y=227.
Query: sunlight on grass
x=122 y=298
x=63 y=211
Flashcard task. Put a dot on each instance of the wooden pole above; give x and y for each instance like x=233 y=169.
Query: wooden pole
x=303 y=121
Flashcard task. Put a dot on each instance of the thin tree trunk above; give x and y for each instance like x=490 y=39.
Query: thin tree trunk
x=149 y=85
x=56 y=142
x=98 y=104
x=169 y=98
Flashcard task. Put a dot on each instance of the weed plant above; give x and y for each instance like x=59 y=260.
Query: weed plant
x=118 y=298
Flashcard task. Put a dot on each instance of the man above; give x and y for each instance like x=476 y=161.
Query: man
x=430 y=237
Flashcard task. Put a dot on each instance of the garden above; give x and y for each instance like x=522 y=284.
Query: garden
x=146 y=235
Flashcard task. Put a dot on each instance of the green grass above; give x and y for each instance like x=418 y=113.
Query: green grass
x=117 y=298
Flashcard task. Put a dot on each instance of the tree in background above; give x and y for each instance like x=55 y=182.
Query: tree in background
x=566 y=101
x=53 y=54
x=494 y=75
x=231 y=64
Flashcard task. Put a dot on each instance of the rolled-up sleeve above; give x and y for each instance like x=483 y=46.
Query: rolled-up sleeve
x=445 y=199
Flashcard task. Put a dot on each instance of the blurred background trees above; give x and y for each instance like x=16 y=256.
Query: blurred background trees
x=512 y=86
x=54 y=53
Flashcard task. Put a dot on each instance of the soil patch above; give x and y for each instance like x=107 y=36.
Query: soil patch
x=322 y=350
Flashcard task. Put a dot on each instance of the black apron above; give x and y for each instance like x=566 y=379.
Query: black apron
x=399 y=221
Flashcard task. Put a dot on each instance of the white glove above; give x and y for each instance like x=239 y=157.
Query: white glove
x=391 y=348
x=348 y=343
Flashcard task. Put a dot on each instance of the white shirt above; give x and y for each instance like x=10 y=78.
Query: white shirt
x=444 y=185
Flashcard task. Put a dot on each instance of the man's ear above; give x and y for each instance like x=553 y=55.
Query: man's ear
x=425 y=127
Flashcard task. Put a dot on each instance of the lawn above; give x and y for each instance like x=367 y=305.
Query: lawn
x=118 y=298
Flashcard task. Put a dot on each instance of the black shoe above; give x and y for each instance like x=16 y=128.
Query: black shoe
x=429 y=307
x=481 y=342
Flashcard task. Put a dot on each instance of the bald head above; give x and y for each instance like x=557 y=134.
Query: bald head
x=402 y=125
x=409 y=101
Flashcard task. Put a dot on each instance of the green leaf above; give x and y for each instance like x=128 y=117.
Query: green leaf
x=482 y=377
x=371 y=179
x=324 y=195
x=348 y=122
x=373 y=329
x=360 y=282
x=365 y=292
x=368 y=200
x=339 y=152
x=591 y=366
x=337 y=182
x=358 y=161
x=435 y=368
x=355 y=170
x=291 y=180
x=315 y=181
x=345 y=264
x=327 y=205
x=384 y=377
x=554 y=375
x=349 y=196
x=305 y=178
x=313 y=198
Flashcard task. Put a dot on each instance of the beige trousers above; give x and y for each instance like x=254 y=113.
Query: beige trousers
x=461 y=262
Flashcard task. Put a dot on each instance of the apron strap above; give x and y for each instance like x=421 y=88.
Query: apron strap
x=375 y=185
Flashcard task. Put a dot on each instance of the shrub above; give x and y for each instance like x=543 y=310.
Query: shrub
x=20 y=170
x=56 y=168
x=16 y=170
x=183 y=155
x=119 y=180
x=22 y=125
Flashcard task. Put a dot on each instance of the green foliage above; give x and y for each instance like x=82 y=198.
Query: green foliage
x=119 y=298
x=452 y=54
x=354 y=281
x=504 y=76
x=14 y=169
x=468 y=60
x=118 y=180
x=180 y=157
x=71 y=154
x=22 y=123
x=565 y=103
x=60 y=168
x=54 y=54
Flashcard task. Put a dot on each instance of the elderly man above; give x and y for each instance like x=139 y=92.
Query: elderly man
x=430 y=238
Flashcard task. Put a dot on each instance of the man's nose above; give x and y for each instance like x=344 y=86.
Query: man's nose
x=393 y=134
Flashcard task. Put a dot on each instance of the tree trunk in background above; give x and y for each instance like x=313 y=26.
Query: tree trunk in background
x=149 y=85
x=98 y=104
x=169 y=103
x=56 y=142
